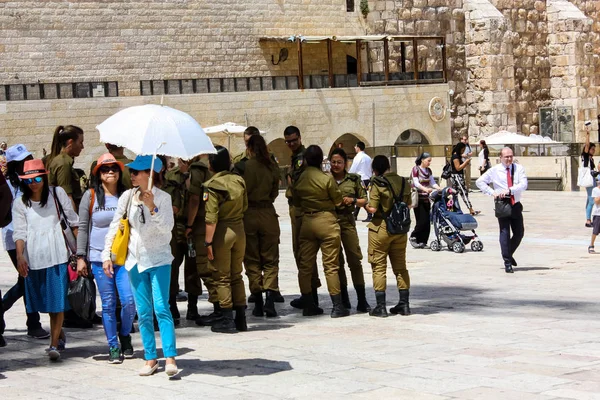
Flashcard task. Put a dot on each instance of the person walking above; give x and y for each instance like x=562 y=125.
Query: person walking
x=118 y=153
x=261 y=224
x=42 y=253
x=96 y=212
x=318 y=196
x=294 y=142
x=226 y=201
x=353 y=195
x=509 y=182
x=484 y=158
x=16 y=156
x=5 y=216
x=467 y=153
x=423 y=181
x=361 y=165
x=596 y=215
x=458 y=174
x=587 y=159
x=148 y=263
x=386 y=187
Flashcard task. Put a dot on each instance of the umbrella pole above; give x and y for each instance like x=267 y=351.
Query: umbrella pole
x=150 y=179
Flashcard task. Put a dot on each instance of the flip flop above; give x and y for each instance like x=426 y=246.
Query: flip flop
x=476 y=213
x=591 y=250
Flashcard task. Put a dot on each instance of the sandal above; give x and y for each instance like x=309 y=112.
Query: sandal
x=591 y=250
x=588 y=225
x=475 y=213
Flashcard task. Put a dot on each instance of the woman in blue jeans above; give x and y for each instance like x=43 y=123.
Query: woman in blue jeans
x=96 y=212
x=587 y=159
x=149 y=258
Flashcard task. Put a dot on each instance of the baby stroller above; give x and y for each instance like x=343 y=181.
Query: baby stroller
x=448 y=222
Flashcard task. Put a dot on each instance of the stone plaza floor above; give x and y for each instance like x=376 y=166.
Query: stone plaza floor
x=475 y=333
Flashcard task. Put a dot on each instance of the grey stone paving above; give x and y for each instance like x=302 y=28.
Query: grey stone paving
x=476 y=332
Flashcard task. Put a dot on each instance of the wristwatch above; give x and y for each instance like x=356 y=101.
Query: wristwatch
x=154 y=211
x=354 y=201
x=207 y=244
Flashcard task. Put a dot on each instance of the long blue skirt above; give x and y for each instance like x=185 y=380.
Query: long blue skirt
x=46 y=290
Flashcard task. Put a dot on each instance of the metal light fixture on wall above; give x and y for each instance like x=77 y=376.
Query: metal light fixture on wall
x=283 y=55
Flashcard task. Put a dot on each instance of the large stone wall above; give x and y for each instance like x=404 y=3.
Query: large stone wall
x=323 y=115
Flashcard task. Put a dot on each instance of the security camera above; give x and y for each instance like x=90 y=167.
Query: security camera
x=451 y=92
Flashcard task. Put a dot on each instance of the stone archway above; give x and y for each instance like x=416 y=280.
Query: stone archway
x=347 y=142
x=282 y=153
x=411 y=137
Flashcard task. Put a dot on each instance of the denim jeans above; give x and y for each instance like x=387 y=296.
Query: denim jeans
x=108 y=288
x=18 y=291
x=589 y=204
x=151 y=292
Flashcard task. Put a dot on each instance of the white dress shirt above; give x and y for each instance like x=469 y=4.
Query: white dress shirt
x=150 y=241
x=361 y=165
x=497 y=176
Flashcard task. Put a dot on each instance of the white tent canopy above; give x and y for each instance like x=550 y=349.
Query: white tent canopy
x=506 y=137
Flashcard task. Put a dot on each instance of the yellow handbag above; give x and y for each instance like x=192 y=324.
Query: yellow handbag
x=118 y=250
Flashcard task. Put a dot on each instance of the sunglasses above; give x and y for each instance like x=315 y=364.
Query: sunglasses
x=290 y=141
x=135 y=171
x=112 y=168
x=29 y=181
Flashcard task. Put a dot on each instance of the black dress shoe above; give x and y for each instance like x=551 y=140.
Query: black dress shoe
x=508 y=269
x=513 y=262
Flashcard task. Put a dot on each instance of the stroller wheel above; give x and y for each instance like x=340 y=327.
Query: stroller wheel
x=476 y=245
x=458 y=247
x=435 y=245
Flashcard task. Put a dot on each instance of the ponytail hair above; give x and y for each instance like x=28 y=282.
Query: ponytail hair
x=258 y=147
x=62 y=134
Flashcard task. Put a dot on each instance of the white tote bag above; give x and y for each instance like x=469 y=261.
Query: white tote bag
x=584 y=177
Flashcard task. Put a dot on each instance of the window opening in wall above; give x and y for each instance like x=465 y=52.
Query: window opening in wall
x=49 y=91
x=350 y=5
x=351 y=66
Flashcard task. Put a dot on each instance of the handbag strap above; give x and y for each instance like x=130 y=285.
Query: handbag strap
x=61 y=213
x=126 y=213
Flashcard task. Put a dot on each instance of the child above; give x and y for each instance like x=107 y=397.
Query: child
x=595 y=215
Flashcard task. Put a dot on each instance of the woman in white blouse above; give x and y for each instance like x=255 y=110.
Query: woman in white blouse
x=148 y=260
x=42 y=254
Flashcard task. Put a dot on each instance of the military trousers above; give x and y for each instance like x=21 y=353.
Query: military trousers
x=262 y=248
x=319 y=230
x=229 y=247
x=351 y=247
x=381 y=246
x=296 y=220
x=203 y=270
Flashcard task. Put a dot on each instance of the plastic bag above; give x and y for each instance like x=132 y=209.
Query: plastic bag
x=82 y=297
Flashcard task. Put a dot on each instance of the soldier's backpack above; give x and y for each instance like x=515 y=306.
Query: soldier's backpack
x=397 y=221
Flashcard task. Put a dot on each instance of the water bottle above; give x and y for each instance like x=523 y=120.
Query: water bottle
x=191 y=248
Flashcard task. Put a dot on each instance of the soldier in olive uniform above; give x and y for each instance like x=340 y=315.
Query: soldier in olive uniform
x=294 y=143
x=67 y=144
x=239 y=162
x=226 y=202
x=354 y=195
x=261 y=224
x=175 y=185
x=382 y=244
x=117 y=153
x=318 y=196
x=196 y=229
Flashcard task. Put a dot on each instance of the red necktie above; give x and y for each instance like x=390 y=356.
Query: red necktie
x=509 y=183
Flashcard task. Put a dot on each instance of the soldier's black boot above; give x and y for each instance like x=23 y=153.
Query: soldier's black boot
x=240 y=318
x=297 y=303
x=226 y=324
x=173 y=308
x=315 y=298
x=310 y=308
x=362 y=306
x=251 y=298
x=345 y=297
x=379 y=310
x=338 y=310
x=277 y=297
x=269 y=308
x=258 y=305
x=213 y=317
x=192 y=308
x=402 y=308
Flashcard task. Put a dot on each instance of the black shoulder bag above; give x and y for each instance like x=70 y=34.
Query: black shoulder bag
x=503 y=207
x=397 y=221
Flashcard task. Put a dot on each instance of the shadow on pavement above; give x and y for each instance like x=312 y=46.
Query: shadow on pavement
x=232 y=368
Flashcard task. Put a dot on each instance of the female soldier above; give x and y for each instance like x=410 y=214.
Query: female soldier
x=354 y=195
x=261 y=260
x=226 y=201
x=385 y=185
x=67 y=144
x=318 y=195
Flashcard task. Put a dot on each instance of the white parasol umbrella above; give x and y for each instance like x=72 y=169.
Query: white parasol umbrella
x=228 y=128
x=156 y=129
x=506 y=137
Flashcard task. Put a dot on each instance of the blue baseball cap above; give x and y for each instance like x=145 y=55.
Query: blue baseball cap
x=142 y=163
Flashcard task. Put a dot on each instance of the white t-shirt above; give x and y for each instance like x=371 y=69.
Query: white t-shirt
x=362 y=165
x=596 y=193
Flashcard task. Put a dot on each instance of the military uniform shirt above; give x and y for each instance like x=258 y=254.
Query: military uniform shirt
x=63 y=175
x=225 y=197
x=316 y=191
x=295 y=169
x=350 y=186
x=381 y=196
x=199 y=174
x=262 y=182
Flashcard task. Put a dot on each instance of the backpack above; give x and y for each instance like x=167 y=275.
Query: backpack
x=397 y=221
x=447 y=170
